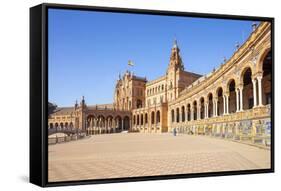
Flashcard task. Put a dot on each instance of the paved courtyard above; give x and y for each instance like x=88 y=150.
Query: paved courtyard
x=131 y=155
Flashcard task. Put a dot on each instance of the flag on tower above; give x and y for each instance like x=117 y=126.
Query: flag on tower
x=130 y=63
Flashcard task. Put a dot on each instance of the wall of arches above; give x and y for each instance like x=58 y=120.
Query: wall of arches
x=102 y=124
x=61 y=125
x=149 y=120
x=238 y=91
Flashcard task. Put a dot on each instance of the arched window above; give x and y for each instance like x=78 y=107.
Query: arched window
x=266 y=79
x=232 y=96
x=248 y=98
x=145 y=118
x=152 y=117
x=158 y=117
x=139 y=103
x=178 y=115
x=173 y=115
x=220 y=101
x=182 y=114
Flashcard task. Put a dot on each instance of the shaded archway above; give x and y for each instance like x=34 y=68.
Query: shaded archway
x=101 y=123
x=109 y=123
x=202 y=108
x=194 y=110
x=188 y=112
x=90 y=121
x=173 y=116
x=220 y=102
x=145 y=118
x=248 y=101
x=182 y=114
x=266 y=79
x=126 y=125
x=210 y=105
x=138 y=119
x=158 y=116
x=118 y=122
x=152 y=117
x=178 y=115
x=232 y=96
x=139 y=103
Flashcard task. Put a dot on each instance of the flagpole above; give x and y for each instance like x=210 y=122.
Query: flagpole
x=130 y=63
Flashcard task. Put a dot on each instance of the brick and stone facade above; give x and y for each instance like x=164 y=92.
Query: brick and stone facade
x=233 y=101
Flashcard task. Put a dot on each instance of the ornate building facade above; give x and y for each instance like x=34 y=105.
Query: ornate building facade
x=233 y=100
x=158 y=93
x=94 y=119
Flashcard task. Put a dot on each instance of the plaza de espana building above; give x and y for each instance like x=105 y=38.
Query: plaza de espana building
x=232 y=101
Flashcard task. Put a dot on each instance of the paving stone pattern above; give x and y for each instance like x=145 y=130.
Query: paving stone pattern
x=132 y=155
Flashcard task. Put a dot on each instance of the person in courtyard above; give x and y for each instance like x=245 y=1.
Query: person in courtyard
x=175 y=132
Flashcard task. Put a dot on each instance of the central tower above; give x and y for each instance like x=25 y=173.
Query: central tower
x=173 y=72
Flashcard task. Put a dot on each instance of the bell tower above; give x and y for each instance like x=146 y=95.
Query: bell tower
x=175 y=58
x=173 y=71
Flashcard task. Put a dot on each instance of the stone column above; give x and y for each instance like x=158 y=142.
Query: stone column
x=180 y=117
x=198 y=111
x=241 y=98
x=224 y=104
x=254 y=91
x=237 y=100
x=227 y=102
x=207 y=110
x=92 y=125
x=104 y=127
x=122 y=126
x=113 y=125
x=215 y=107
x=260 y=89
x=96 y=126
x=107 y=126
x=99 y=126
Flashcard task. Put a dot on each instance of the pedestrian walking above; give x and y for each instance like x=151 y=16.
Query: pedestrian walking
x=175 y=132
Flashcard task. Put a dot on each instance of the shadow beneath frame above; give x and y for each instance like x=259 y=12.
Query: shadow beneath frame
x=24 y=178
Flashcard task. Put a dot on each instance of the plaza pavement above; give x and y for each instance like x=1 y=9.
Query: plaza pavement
x=136 y=154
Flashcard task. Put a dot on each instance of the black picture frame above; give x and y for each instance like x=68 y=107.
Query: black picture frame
x=39 y=93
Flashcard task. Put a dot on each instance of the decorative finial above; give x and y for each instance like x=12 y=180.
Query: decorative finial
x=254 y=26
x=175 y=43
x=224 y=59
x=76 y=104
x=237 y=45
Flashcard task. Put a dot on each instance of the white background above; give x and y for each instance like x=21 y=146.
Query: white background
x=14 y=95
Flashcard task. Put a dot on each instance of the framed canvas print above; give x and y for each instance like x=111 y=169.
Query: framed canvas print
x=122 y=95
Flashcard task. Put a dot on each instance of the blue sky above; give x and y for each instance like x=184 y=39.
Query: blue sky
x=88 y=50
